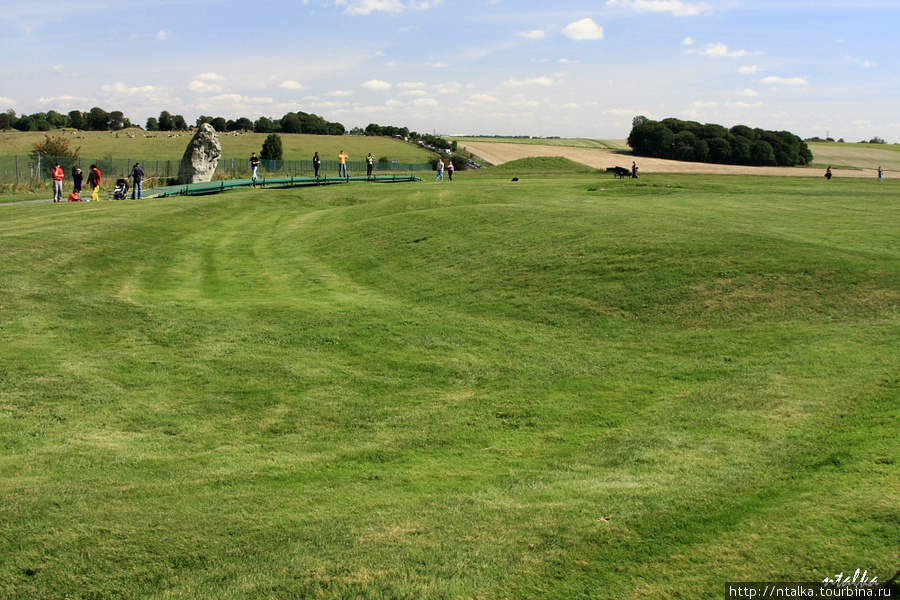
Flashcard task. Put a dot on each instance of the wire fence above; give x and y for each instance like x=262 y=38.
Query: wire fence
x=27 y=168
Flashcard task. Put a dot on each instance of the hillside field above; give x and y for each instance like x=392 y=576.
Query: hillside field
x=563 y=387
x=850 y=160
x=161 y=145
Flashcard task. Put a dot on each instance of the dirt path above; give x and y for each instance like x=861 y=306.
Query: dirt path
x=498 y=153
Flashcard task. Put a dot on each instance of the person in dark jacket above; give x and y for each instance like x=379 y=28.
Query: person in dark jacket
x=137 y=174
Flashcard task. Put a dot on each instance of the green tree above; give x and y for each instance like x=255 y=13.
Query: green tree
x=719 y=150
x=242 y=124
x=152 y=124
x=55 y=119
x=264 y=125
x=290 y=123
x=179 y=124
x=55 y=149
x=763 y=154
x=219 y=124
x=97 y=119
x=165 y=121
x=76 y=119
x=684 y=145
x=116 y=120
x=271 y=148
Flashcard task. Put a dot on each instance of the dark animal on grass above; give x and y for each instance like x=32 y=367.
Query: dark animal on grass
x=619 y=172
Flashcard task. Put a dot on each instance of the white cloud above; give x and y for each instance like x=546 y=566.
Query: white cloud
x=376 y=84
x=366 y=7
x=7 y=101
x=676 y=7
x=749 y=93
x=209 y=77
x=290 y=84
x=163 y=34
x=341 y=93
x=584 y=29
x=722 y=50
x=748 y=70
x=481 y=99
x=545 y=81
x=688 y=41
x=537 y=34
x=55 y=103
x=120 y=88
x=202 y=86
x=866 y=63
x=785 y=80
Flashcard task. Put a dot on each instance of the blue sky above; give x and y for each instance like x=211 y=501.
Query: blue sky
x=579 y=68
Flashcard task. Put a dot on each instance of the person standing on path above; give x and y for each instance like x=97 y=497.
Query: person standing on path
x=450 y=169
x=880 y=174
x=370 y=164
x=254 y=162
x=343 y=169
x=440 y=170
x=317 y=162
x=137 y=174
x=94 y=178
x=57 y=173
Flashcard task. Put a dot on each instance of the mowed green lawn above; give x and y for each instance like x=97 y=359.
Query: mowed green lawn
x=554 y=388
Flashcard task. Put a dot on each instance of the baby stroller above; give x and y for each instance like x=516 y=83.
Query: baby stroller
x=121 y=189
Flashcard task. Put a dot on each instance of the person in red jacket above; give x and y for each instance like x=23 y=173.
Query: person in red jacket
x=57 y=174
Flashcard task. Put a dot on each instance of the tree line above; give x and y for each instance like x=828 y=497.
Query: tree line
x=692 y=141
x=98 y=119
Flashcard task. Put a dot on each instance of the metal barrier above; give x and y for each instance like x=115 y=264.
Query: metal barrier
x=223 y=185
x=26 y=168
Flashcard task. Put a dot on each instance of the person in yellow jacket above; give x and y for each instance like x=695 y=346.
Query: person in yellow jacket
x=94 y=182
x=57 y=173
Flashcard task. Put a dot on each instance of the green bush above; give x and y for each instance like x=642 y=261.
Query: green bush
x=271 y=148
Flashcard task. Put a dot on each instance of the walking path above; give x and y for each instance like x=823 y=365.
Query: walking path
x=223 y=185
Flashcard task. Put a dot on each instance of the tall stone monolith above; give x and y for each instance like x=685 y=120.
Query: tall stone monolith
x=201 y=156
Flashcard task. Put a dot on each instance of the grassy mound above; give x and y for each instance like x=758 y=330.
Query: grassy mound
x=451 y=391
x=542 y=165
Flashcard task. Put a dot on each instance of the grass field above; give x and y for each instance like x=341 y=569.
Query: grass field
x=161 y=145
x=556 y=142
x=554 y=388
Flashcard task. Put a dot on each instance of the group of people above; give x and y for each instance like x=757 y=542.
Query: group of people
x=317 y=164
x=95 y=178
x=828 y=174
x=440 y=170
x=343 y=157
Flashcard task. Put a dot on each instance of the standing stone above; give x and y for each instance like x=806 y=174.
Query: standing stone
x=201 y=157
